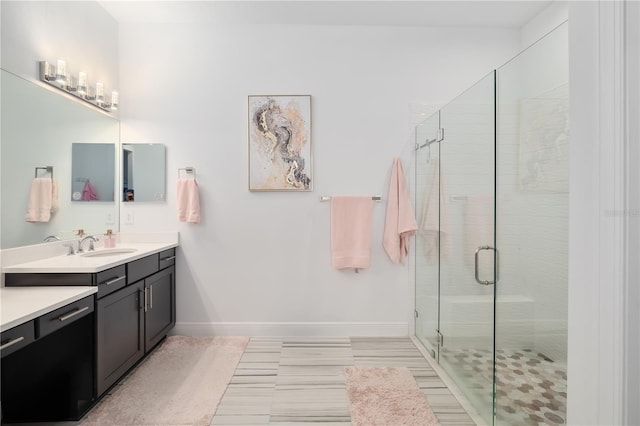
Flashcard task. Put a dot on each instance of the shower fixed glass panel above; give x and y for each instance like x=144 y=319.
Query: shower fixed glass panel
x=532 y=199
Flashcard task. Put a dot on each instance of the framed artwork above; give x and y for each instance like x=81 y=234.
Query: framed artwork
x=544 y=142
x=280 y=143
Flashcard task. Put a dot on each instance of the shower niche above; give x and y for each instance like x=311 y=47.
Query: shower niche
x=492 y=198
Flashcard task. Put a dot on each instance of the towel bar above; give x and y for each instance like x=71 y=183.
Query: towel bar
x=328 y=198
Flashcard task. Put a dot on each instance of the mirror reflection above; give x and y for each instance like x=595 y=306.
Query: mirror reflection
x=93 y=172
x=38 y=127
x=143 y=172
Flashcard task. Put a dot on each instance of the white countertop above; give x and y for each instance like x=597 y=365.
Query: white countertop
x=21 y=304
x=78 y=263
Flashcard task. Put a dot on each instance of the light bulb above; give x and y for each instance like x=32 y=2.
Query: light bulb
x=99 y=92
x=61 y=71
x=115 y=100
x=82 y=82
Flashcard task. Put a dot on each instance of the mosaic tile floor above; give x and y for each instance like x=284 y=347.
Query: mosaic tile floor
x=531 y=388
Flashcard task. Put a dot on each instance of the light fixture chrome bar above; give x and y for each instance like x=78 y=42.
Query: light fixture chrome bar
x=48 y=75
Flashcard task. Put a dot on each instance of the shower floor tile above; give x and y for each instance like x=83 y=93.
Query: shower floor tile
x=531 y=389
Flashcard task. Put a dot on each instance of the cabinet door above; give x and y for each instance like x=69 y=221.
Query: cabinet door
x=120 y=336
x=160 y=314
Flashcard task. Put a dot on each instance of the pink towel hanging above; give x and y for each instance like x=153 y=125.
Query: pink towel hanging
x=400 y=223
x=89 y=192
x=188 y=201
x=351 y=219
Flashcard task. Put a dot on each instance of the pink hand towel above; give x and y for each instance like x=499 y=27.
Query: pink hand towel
x=188 y=201
x=351 y=220
x=89 y=192
x=42 y=200
x=400 y=223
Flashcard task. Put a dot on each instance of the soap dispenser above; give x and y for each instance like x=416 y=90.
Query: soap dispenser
x=109 y=239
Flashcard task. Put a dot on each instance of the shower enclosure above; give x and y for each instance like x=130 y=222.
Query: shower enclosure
x=492 y=202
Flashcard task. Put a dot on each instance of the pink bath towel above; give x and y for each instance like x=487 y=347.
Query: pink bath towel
x=89 y=192
x=351 y=231
x=188 y=201
x=43 y=200
x=434 y=220
x=400 y=223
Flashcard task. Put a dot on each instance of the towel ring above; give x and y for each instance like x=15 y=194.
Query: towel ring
x=47 y=169
x=188 y=171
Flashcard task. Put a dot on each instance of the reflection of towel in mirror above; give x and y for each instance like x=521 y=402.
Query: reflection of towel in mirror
x=188 y=201
x=89 y=192
x=43 y=200
x=400 y=222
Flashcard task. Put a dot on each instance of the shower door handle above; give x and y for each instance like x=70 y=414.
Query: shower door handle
x=478 y=250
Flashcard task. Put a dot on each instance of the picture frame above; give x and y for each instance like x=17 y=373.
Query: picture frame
x=543 y=153
x=279 y=138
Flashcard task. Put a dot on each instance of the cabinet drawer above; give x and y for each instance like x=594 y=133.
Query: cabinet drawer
x=111 y=280
x=167 y=258
x=17 y=338
x=61 y=317
x=142 y=268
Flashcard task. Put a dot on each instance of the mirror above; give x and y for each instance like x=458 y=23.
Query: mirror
x=38 y=128
x=143 y=172
x=93 y=171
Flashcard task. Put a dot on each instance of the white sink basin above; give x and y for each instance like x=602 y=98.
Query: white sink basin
x=108 y=252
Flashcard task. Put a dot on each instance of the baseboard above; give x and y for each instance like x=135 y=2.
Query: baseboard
x=391 y=329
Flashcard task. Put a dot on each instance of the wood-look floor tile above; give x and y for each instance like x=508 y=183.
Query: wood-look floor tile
x=300 y=380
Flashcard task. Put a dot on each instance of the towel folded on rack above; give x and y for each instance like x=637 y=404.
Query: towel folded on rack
x=89 y=192
x=188 y=201
x=400 y=223
x=43 y=200
x=351 y=220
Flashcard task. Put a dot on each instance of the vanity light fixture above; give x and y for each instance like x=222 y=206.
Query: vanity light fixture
x=59 y=78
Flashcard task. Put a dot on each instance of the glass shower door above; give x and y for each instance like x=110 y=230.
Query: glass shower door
x=467 y=261
x=427 y=209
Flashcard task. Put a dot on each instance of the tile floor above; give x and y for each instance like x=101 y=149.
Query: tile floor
x=299 y=380
x=531 y=388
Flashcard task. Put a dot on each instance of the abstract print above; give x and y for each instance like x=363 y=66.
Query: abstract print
x=279 y=143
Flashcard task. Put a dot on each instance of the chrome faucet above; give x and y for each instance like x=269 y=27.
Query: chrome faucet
x=91 y=239
x=51 y=238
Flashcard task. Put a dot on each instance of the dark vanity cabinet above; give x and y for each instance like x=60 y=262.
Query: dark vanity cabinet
x=135 y=307
x=48 y=366
x=135 y=317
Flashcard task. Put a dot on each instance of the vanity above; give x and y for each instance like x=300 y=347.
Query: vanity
x=72 y=326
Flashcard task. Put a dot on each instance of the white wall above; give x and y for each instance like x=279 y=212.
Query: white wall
x=263 y=258
x=81 y=32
